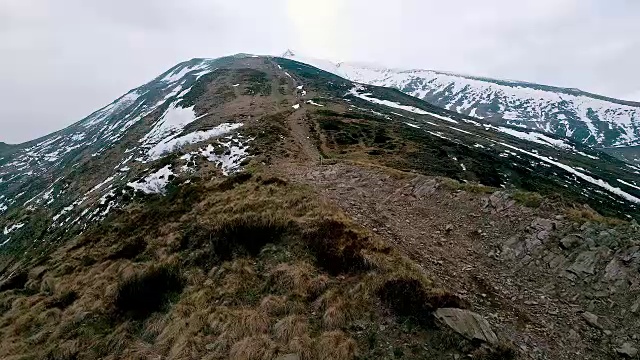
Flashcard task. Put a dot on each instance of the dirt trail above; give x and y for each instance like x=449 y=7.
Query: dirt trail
x=453 y=236
x=297 y=120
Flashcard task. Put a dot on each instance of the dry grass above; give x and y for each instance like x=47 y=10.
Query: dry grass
x=476 y=188
x=275 y=305
x=529 y=199
x=585 y=214
x=263 y=268
x=336 y=345
x=300 y=279
x=290 y=327
x=253 y=348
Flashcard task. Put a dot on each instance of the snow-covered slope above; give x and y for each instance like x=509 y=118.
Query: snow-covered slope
x=590 y=119
x=78 y=175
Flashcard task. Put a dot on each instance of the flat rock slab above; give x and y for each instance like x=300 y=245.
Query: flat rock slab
x=467 y=323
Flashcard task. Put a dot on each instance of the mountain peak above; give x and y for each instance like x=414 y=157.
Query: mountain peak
x=288 y=53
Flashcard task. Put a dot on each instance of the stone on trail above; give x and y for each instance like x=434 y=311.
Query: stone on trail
x=467 y=323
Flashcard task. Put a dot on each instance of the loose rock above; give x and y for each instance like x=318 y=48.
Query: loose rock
x=468 y=324
x=627 y=350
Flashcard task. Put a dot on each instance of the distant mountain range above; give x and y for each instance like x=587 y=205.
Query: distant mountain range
x=587 y=118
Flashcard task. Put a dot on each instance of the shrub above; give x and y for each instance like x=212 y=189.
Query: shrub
x=129 y=249
x=337 y=248
x=16 y=281
x=236 y=179
x=408 y=298
x=243 y=235
x=143 y=294
x=63 y=300
x=529 y=199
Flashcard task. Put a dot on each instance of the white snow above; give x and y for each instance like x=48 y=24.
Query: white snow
x=597 y=182
x=367 y=97
x=172 y=143
x=171 y=122
x=629 y=184
x=587 y=155
x=3 y=207
x=154 y=183
x=12 y=228
x=413 y=126
x=314 y=103
x=296 y=106
x=181 y=72
x=231 y=157
x=516 y=100
x=93 y=189
x=438 y=134
x=234 y=85
x=534 y=137
x=61 y=213
x=460 y=130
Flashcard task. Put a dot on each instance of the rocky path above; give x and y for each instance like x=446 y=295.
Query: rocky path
x=507 y=260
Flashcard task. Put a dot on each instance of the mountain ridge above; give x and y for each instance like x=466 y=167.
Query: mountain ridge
x=589 y=118
x=256 y=207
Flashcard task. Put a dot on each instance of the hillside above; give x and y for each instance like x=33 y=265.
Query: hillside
x=587 y=118
x=256 y=208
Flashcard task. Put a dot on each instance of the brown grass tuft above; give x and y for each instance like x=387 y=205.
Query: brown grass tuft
x=301 y=346
x=336 y=345
x=586 y=214
x=274 y=305
x=298 y=278
x=253 y=348
x=292 y=326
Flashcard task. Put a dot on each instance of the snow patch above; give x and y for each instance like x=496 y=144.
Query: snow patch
x=12 y=228
x=388 y=103
x=172 y=143
x=154 y=183
x=233 y=154
x=597 y=182
x=171 y=122
x=311 y=102
x=629 y=184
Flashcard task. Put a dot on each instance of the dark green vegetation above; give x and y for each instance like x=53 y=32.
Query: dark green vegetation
x=143 y=294
x=460 y=149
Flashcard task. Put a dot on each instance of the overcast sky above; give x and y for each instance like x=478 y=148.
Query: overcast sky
x=61 y=60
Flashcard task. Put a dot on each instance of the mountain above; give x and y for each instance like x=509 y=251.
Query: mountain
x=587 y=118
x=256 y=207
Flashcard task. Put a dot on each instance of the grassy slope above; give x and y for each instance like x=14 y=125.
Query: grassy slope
x=245 y=267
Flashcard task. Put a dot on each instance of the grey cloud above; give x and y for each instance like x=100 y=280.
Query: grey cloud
x=62 y=60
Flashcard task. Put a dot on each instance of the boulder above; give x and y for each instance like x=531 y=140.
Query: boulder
x=584 y=263
x=614 y=271
x=570 y=241
x=591 y=319
x=467 y=323
x=543 y=224
x=627 y=350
